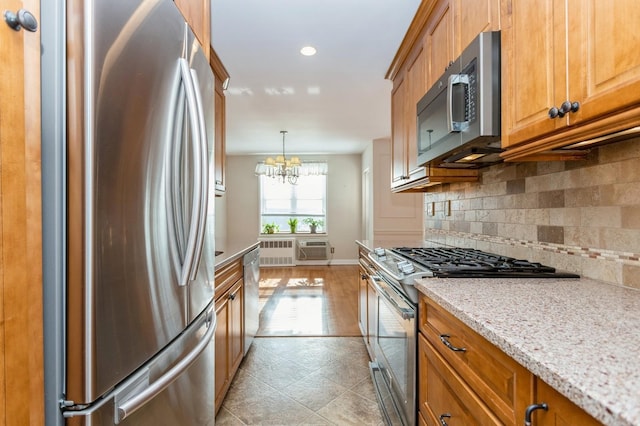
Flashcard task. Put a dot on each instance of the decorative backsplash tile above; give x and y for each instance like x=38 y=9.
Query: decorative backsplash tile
x=581 y=216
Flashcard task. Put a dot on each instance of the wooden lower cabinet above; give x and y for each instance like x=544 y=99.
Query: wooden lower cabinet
x=229 y=338
x=561 y=411
x=463 y=379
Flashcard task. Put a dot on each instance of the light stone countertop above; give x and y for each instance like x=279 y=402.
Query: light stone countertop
x=580 y=336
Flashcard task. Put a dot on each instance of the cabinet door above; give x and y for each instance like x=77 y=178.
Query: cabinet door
x=561 y=412
x=443 y=396
x=472 y=18
x=417 y=87
x=398 y=132
x=362 y=304
x=221 y=350
x=219 y=138
x=439 y=40
x=604 y=65
x=533 y=68
x=236 y=326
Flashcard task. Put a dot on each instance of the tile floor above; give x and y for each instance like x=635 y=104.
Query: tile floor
x=302 y=381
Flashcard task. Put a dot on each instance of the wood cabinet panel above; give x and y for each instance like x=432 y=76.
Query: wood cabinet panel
x=21 y=299
x=557 y=51
x=221 y=77
x=497 y=379
x=603 y=75
x=533 y=76
x=444 y=396
x=229 y=338
x=472 y=18
x=561 y=411
x=439 y=40
x=398 y=132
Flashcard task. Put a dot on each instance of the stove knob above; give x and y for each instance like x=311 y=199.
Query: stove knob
x=406 y=267
x=379 y=252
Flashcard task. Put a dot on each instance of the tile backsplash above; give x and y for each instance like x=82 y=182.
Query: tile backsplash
x=580 y=216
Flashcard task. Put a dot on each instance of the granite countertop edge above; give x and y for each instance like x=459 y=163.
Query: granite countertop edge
x=232 y=251
x=563 y=331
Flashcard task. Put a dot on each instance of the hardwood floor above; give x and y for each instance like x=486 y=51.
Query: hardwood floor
x=309 y=301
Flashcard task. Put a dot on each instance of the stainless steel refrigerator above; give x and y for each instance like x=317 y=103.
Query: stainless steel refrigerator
x=130 y=274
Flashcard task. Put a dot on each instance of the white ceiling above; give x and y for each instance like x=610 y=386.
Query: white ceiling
x=332 y=103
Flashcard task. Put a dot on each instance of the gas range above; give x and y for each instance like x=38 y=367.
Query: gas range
x=402 y=266
x=471 y=263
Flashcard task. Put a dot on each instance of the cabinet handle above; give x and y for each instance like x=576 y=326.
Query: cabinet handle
x=444 y=338
x=363 y=277
x=442 y=418
x=531 y=409
x=232 y=296
x=565 y=108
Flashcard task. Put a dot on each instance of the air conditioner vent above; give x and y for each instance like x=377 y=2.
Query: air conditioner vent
x=313 y=249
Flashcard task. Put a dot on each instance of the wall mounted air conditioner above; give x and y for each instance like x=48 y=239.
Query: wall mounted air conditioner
x=313 y=249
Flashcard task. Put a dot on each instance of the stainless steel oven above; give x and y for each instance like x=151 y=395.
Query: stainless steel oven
x=394 y=346
x=393 y=335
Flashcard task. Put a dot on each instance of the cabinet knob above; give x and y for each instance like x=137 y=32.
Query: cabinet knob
x=531 y=409
x=363 y=277
x=567 y=107
x=22 y=19
x=553 y=112
x=232 y=296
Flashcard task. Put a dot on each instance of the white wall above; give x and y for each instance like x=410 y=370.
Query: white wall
x=344 y=202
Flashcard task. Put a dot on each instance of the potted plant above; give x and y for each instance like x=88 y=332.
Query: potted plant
x=313 y=223
x=293 y=224
x=270 y=228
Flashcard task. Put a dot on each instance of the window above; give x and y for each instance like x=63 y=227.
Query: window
x=280 y=202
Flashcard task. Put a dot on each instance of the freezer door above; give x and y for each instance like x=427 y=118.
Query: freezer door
x=174 y=388
x=136 y=183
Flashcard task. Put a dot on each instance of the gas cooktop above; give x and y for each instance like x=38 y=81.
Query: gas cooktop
x=472 y=263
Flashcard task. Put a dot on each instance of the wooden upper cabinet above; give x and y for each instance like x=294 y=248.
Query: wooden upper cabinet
x=398 y=133
x=556 y=51
x=533 y=73
x=473 y=17
x=198 y=14
x=440 y=30
x=221 y=80
x=439 y=40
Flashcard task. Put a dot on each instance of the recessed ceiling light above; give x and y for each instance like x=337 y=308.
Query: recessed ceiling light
x=308 y=51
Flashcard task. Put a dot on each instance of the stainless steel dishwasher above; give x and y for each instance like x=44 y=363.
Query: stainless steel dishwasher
x=251 y=263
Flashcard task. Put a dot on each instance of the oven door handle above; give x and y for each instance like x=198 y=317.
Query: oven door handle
x=405 y=313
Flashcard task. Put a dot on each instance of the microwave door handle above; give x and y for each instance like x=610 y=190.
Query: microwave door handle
x=454 y=80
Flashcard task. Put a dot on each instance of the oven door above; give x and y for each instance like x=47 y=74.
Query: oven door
x=395 y=349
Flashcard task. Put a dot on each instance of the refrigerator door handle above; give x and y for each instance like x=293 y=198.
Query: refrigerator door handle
x=172 y=188
x=192 y=238
x=126 y=408
x=204 y=177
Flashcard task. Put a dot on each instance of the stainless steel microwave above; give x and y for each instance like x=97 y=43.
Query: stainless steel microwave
x=459 y=116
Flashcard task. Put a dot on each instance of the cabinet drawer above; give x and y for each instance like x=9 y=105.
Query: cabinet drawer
x=227 y=275
x=444 y=396
x=503 y=384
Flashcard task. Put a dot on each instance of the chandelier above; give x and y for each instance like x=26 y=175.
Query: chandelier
x=282 y=168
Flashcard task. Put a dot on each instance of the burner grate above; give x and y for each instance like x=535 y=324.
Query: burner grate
x=468 y=262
